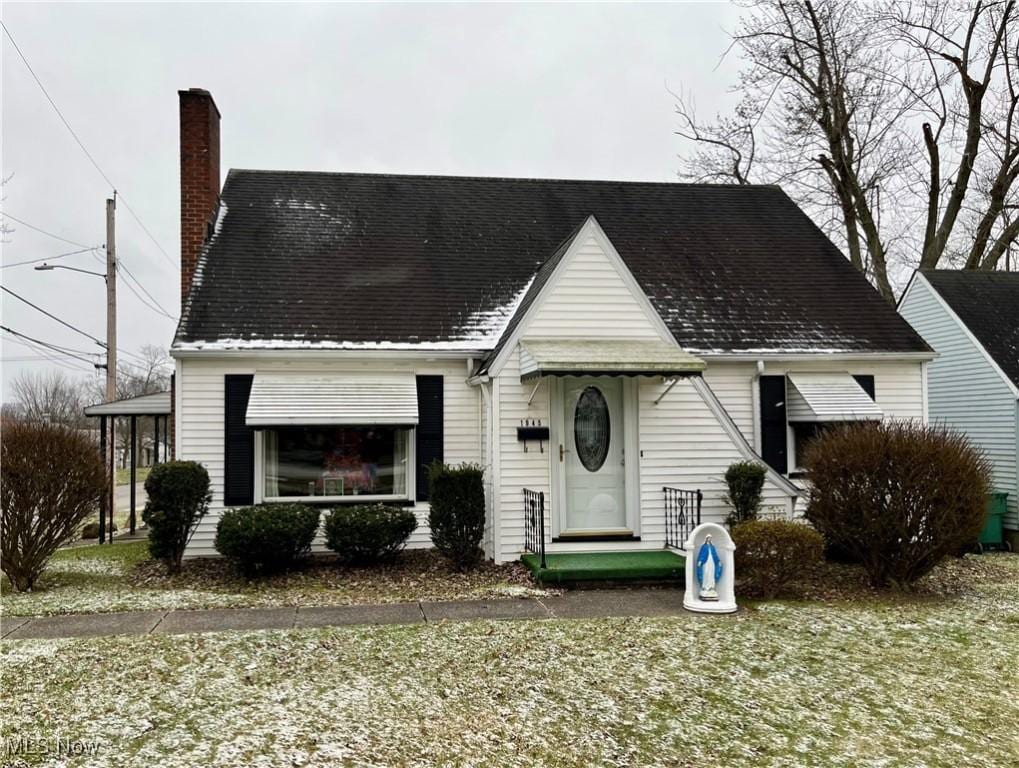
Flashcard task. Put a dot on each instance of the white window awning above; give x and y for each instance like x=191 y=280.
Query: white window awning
x=828 y=397
x=587 y=357
x=355 y=399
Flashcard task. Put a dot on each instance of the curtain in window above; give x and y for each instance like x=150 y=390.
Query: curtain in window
x=270 y=447
x=400 y=462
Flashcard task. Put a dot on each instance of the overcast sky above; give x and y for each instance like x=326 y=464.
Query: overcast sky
x=565 y=91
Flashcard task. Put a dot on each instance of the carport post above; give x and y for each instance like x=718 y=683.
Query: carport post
x=134 y=462
x=111 y=460
x=106 y=496
x=155 y=442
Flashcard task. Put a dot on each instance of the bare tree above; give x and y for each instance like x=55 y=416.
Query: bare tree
x=893 y=124
x=52 y=397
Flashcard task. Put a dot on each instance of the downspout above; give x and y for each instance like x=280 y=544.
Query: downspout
x=755 y=400
x=486 y=424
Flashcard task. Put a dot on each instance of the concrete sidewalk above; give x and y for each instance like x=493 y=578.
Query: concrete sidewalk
x=579 y=604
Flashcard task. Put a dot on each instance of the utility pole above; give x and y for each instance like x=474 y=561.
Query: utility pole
x=111 y=351
x=111 y=299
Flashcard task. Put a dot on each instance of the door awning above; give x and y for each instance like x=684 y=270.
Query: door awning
x=362 y=399
x=585 y=357
x=828 y=397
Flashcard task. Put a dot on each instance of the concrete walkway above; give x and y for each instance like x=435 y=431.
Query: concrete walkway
x=580 y=604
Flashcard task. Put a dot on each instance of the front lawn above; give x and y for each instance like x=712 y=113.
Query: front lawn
x=120 y=577
x=124 y=475
x=882 y=681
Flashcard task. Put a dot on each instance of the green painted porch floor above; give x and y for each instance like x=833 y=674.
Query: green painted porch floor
x=652 y=565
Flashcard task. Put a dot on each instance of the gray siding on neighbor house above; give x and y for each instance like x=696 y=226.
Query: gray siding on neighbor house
x=965 y=390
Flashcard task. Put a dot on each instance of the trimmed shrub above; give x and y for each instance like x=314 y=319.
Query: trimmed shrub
x=267 y=538
x=52 y=480
x=896 y=497
x=745 y=481
x=457 y=517
x=368 y=534
x=178 y=498
x=770 y=554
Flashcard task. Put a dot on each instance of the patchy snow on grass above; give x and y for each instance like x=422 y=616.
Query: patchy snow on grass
x=912 y=683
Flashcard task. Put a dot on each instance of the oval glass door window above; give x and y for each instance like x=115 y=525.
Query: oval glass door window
x=591 y=429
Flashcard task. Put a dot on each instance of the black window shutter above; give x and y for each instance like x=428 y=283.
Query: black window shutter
x=239 y=443
x=774 y=448
x=429 y=431
x=866 y=382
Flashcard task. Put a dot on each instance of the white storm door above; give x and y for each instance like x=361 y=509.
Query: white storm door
x=593 y=462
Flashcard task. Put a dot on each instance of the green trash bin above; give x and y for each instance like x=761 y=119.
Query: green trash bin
x=993 y=534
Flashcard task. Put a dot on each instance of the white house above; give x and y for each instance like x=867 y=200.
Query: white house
x=605 y=350
x=972 y=320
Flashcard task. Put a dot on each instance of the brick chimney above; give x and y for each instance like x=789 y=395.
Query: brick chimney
x=199 y=178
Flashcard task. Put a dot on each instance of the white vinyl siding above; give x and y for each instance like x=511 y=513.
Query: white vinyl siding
x=680 y=443
x=898 y=390
x=519 y=469
x=683 y=445
x=966 y=392
x=590 y=299
x=200 y=436
x=898 y=387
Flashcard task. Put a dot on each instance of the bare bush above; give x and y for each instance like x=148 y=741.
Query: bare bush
x=897 y=497
x=52 y=480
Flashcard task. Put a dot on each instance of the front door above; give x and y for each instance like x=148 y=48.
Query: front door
x=593 y=457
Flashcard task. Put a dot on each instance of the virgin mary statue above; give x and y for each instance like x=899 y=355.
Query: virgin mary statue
x=709 y=570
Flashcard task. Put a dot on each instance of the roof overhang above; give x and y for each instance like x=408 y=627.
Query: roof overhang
x=587 y=357
x=156 y=404
x=825 y=397
x=751 y=356
x=326 y=352
x=352 y=400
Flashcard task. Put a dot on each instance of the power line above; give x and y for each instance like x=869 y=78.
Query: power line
x=49 y=345
x=161 y=310
x=41 y=230
x=46 y=258
x=40 y=342
x=76 y=353
x=88 y=154
x=52 y=316
x=69 y=365
x=55 y=347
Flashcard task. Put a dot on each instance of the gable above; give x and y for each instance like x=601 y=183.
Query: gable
x=583 y=292
x=987 y=305
x=592 y=298
x=962 y=358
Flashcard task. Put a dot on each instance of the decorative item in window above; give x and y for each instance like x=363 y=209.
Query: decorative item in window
x=335 y=461
x=591 y=429
x=332 y=486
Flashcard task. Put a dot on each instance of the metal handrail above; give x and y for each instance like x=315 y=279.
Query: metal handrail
x=682 y=514
x=534 y=523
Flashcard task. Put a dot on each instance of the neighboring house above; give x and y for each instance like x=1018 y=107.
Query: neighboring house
x=971 y=319
x=595 y=342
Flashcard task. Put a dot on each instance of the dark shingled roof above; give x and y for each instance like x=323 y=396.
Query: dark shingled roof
x=988 y=303
x=342 y=258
